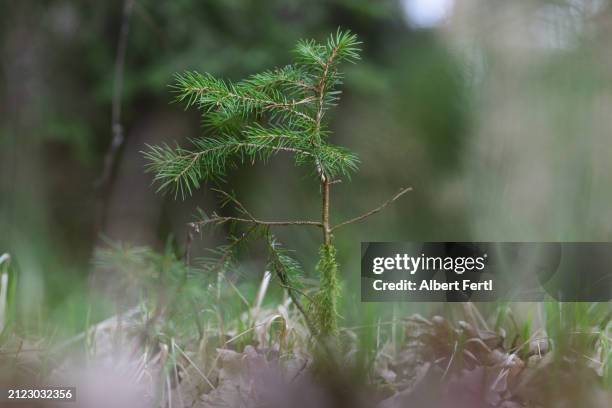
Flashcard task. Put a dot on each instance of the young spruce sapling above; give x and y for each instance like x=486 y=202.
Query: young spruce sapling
x=277 y=111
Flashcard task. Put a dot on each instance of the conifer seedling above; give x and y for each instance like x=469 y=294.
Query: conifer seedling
x=281 y=111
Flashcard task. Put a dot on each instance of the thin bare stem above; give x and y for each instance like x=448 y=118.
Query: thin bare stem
x=233 y=199
x=216 y=219
x=373 y=211
x=325 y=223
x=325 y=182
x=221 y=220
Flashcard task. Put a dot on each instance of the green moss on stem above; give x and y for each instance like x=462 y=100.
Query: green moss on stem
x=325 y=302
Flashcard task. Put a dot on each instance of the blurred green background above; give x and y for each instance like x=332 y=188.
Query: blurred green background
x=497 y=113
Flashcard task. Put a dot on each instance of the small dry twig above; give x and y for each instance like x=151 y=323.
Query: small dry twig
x=373 y=211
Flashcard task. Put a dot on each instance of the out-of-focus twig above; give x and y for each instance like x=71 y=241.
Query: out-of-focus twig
x=5 y=258
x=4 y=281
x=116 y=127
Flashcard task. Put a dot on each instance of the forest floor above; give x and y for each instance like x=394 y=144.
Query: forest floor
x=274 y=362
x=188 y=343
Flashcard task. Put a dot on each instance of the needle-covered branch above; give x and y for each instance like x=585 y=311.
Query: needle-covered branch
x=288 y=271
x=222 y=257
x=373 y=211
x=182 y=170
x=279 y=110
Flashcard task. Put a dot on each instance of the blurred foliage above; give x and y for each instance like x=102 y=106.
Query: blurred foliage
x=57 y=82
x=497 y=119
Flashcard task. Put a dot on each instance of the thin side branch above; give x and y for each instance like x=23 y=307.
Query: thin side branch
x=230 y=197
x=221 y=220
x=216 y=219
x=373 y=211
